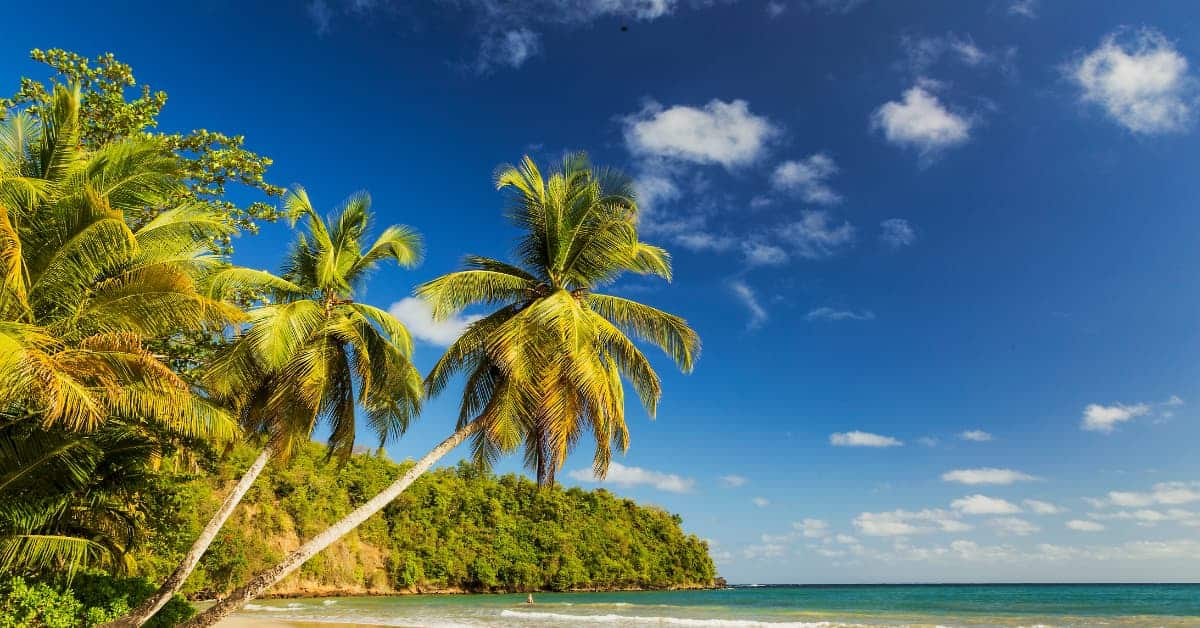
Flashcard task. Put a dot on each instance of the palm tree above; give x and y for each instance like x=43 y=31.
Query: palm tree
x=310 y=354
x=80 y=294
x=548 y=363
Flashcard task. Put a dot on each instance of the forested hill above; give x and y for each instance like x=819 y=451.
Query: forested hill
x=453 y=530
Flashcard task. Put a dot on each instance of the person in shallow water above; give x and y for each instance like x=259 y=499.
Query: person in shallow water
x=529 y=599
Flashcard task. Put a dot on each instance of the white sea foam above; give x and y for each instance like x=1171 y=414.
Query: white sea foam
x=272 y=609
x=626 y=620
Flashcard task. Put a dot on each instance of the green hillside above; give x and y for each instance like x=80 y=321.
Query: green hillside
x=453 y=530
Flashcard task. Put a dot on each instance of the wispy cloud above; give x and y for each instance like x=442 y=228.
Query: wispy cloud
x=983 y=505
x=832 y=6
x=812 y=528
x=896 y=233
x=508 y=49
x=761 y=502
x=906 y=523
x=1043 y=508
x=831 y=314
x=1139 y=79
x=1162 y=493
x=321 y=15
x=1013 y=526
x=745 y=294
x=986 y=475
x=621 y=475
x=1023 y=8
x=1082 y=525
x=922 y=53
x=978 y=436
x=816 y=235
x=862 y=439
x=808 y=178
x=763 y=254
x=733 y=481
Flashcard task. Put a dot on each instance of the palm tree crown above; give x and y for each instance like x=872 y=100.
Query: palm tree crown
x=547 y=365
x=82 y=398
x=313 y=353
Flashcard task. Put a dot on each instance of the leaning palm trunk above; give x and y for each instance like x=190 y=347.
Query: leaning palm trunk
x=174 y=582
x=266 y=579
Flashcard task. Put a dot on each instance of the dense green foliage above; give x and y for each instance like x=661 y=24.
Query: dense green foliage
x=92 y=598
x=455 y=528
x=210 y=160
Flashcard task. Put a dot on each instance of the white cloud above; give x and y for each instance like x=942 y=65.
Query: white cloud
x=733 y=481
x=1023 y=8
x=862 y=439
x=761 y=502
x=986 y=475
x=808 y=179
x=845 y=539
x=764 y=550
x=775 y=9
x=1163 y=493
x=1141 y=83
x=417 y=316
x=1015 y=526
x=928 y=441
x=984 y=505
x=831 y=314
x=920 y=121
x=897 y=233
x=812 y=528
x=1081 y=525
x=1123 y=498
x=905 y=523
x=622 y=475
x=1043 y=508
x=1149 y=517
x=745 y=294
x=1104 y=419
x=978 y=436
x=724 y=133
x=763 y=254
x=815 y=236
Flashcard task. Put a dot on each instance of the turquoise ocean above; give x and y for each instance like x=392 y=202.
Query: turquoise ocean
x=771 y=606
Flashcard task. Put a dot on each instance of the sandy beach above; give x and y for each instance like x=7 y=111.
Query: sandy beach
x=238 y=621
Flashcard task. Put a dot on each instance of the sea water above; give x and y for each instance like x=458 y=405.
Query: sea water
x=771 y=607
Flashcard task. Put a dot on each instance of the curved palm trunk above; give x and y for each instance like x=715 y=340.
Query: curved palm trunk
x=265 y=579
x=174 y=582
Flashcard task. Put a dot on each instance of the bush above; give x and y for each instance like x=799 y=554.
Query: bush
x=88 y=600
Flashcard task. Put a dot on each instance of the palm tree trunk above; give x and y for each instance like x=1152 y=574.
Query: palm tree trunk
x=266 y=579
x=174 y=582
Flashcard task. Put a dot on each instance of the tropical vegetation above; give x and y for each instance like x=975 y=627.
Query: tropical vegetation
x=548 y=364
x=135 y=359
x=455 y=529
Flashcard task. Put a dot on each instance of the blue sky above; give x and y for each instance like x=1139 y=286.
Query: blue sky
x=942 y=254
